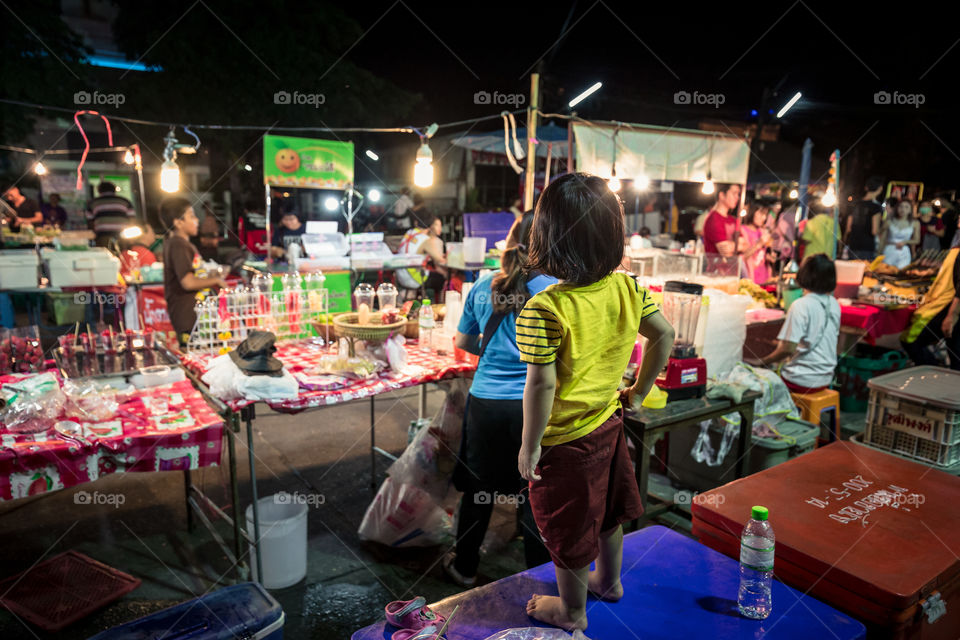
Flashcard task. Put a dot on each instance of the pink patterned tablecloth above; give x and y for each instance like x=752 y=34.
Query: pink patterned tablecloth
x=300 y=356
x=179 y=432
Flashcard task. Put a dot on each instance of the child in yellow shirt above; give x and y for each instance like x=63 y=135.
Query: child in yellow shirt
x=576 y=338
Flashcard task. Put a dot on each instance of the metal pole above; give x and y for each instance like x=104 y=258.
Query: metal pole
x=531 y=144
x=569 y=147
x=233 y=426
x=139 y=167
x=835 y=159
x=267 y=209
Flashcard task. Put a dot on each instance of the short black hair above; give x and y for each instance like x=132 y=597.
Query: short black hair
x=818 y=274
x=106 y=187
x=873 y=183
x=171 y=210
x=644 y=232
x=723 y=188
x=290 y=213
x=578 y=230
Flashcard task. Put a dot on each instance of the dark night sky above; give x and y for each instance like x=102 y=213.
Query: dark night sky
x=645 y=52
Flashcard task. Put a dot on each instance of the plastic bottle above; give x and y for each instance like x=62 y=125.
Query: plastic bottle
x=426 y=326
x=756 y=566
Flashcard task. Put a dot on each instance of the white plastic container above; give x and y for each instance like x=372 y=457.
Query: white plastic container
x=849 y=277
x=283 y=540
x=18 y=269
x=455 y=252
x=95 y=267
x=725 y=332
x=474 y=251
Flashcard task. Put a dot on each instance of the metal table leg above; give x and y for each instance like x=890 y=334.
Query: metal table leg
x=373 y=445
x=187 y=485
x=746 y=436
x=422 y=401
x=233 y=427
x=249 y=415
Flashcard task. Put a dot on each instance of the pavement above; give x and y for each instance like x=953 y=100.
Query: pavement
x=320 y=452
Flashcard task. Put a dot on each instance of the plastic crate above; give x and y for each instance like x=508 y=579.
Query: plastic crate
x=916 y=413
x=64 y=589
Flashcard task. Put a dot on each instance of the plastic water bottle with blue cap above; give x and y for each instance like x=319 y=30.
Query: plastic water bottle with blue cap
x=756 y=566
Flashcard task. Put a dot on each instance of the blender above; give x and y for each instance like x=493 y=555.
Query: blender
x=685 y=375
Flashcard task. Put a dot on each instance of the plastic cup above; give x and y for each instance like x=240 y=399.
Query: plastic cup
x=474 y=251
x=364 y=294
x=387 y=296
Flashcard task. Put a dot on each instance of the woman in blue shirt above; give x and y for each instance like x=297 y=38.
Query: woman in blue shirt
x=487 y=473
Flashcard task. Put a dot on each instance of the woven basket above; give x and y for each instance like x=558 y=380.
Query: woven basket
x=345 y=326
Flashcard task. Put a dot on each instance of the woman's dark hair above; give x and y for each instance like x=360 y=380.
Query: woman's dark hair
x=818 y=274
x=172 y=209
x=752 y=208
x=578 y=230
x=509 y=286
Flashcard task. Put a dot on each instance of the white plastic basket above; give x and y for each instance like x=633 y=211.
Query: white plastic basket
x=915 y=413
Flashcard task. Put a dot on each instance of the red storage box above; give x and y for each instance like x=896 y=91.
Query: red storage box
x=871 y=534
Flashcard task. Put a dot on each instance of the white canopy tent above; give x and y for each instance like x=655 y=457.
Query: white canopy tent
x=660 y=153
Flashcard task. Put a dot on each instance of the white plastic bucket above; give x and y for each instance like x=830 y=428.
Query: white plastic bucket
x=474 y=251
x=283 y=540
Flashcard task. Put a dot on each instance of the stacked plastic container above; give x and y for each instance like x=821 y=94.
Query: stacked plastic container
x=915 y=413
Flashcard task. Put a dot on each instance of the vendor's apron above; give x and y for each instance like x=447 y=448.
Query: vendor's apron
x=411 y=243
x=934 y=301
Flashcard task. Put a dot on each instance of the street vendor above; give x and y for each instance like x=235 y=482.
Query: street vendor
x=427 y=242
x=938 y=316
x=180 y=262
x=290 y=230
x=28 y=211
x=807 y=344
x=721 y=223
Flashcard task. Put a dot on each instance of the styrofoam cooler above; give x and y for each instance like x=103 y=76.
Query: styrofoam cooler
x=239 y=611
x=94 y=267
x=283 y=540
x=18 y=269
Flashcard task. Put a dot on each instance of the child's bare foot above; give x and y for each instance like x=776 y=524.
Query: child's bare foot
x=550 y=609
x=608 y=592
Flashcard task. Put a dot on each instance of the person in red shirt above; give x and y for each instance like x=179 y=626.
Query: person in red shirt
x=721 y=223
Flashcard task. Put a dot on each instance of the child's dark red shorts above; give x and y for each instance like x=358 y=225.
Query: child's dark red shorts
x=588 y=487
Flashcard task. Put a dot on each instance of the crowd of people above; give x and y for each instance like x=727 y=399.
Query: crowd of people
x=769 y=234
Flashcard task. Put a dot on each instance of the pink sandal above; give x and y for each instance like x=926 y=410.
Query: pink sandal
x=426 y=633
x=413 y=614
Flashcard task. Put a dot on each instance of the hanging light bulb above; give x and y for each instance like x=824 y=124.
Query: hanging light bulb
x=331 y=204
x=39 y=169
x=642 y=182
x=169 y=176
x=423 y=170
x=794 y=194
x=708 y=186
x=614 y=182
x=128 y=157
x=829 y=198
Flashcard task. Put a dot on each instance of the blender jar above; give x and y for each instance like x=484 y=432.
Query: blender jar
x=681 y=307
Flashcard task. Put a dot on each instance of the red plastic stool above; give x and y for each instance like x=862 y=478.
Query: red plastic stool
x=812 y=406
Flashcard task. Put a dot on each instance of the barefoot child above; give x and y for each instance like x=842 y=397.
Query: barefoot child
x=576 y=338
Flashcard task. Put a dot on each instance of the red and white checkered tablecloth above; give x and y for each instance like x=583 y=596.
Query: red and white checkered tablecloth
x=168 y=428
x=299 y=356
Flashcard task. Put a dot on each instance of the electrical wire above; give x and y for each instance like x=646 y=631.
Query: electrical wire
x=231 y=127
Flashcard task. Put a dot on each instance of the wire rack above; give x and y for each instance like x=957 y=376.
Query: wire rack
x=225 y=320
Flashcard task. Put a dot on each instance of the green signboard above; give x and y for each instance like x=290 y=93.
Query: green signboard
x=307 y=163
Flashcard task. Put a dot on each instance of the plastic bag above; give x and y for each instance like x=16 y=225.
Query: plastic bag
x=413 y=505
x=33 y=404
x=402 y=515
x=89 y=401
x=702 y=450
x=536 y=633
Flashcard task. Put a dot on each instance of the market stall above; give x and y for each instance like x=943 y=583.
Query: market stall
x=163 y=428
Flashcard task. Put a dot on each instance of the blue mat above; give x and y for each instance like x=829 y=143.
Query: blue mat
x=674 y=587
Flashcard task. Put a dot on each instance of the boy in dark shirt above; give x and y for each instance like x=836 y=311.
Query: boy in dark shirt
x=180 y=261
